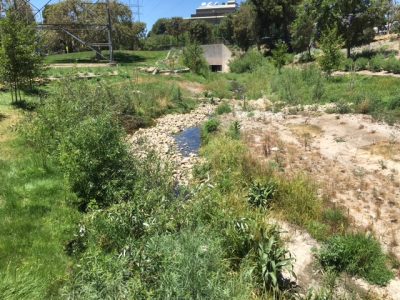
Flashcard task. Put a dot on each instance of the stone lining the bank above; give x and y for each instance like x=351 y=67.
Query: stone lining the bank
x=160 y=139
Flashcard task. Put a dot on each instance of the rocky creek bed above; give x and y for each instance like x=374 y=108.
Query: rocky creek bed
x=175 y=139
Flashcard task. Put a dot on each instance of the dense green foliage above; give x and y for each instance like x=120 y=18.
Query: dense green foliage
x=19 y=61
x=249 y=62
x=193 y=58
x=126 y=33
x=356 y=254
x=279 y=55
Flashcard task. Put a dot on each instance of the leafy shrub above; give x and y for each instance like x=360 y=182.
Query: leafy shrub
x=209 y=127
x=193 y=58
x=377 y=63
x=356 y=254
x=223 y=108
x=260 y=195
x=361 y=64
x=249 y=62
x=392 y=65
x=97 y=163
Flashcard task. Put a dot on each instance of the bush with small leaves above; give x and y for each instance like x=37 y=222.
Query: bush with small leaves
x=209 y=127
x=193 y=58
x=330 y=44
x=361 y=64
x=249 y=62
x=377 y=63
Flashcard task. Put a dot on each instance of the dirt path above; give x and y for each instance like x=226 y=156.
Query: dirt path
x=367 y=73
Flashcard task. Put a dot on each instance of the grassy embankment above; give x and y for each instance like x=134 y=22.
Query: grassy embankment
x=35 y=220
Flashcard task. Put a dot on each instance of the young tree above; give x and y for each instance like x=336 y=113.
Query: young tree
x=279 y=55
x=193 y=58
x=19 y=61
x=330 y=44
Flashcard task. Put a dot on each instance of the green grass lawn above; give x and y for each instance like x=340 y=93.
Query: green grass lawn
x=35 y=221
x=137 y=58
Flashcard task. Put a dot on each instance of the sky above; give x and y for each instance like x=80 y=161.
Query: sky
x=152 y=10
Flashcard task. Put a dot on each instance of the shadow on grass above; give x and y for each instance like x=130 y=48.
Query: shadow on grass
x=127 y=58
x=120 y=57
x=24 y=105
x=2 y=117
x=371 y=53
x=35 y=91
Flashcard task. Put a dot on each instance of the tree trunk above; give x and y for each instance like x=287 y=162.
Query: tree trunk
x=12 y=94
x=348 y=51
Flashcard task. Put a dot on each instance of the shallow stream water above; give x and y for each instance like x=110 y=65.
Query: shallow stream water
x=189 y=141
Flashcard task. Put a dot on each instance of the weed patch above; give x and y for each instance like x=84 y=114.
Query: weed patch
x=356 y=254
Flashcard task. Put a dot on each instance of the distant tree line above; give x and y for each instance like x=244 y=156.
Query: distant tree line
x=298 y=23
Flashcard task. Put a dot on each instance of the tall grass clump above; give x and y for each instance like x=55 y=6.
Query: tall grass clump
x=356 y=254
x=300 y=86
x=223 y=108
x=297 y=200
x=249 y=62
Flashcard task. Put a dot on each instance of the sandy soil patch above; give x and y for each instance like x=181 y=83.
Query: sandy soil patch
x=352 y=159
x=193 y=87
